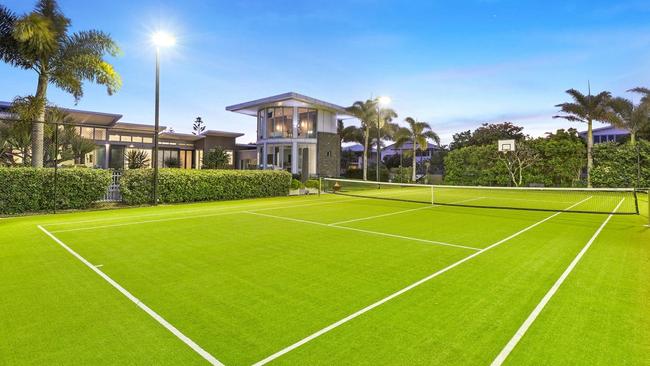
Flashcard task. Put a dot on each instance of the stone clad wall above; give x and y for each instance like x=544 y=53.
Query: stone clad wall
x=328 y=154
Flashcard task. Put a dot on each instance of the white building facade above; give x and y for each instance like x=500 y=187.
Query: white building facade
x=296 y=133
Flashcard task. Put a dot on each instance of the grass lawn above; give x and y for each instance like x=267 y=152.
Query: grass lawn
x=326 y=280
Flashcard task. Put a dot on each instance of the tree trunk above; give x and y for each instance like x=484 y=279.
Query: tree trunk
x=590 y=145
x=365 y=155
x=632 y=138
x=415 y=163
x=38 y=125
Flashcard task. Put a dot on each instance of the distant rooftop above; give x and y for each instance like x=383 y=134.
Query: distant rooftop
x=288 y=99
x=110 y=120
x=82 y=117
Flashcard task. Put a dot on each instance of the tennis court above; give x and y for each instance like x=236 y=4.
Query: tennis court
x=357 y=276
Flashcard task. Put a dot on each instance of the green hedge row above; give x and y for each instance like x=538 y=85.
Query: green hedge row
x=621 y=165
x=30 y=189
x=181 y=185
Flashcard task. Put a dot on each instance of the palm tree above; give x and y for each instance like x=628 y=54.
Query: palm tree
x=40 y=41
x=418 y=133
x=588 y=108
x=642 y=90
x=631 y=117
x=366 y=112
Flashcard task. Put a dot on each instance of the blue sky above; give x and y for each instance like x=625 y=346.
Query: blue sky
x=453 y=64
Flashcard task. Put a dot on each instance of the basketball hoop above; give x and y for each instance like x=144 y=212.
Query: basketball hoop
x=506 y=145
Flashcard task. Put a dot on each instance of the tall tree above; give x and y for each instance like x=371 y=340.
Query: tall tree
x=487 y=134
x=587 y=109
x=40 y=41
x=418 y=133
x=366 y=113
x=631 y=117
x=198 y=127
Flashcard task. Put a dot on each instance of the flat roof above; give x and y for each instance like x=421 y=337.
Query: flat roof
x=221 y=133
x=250 y=108
x=83 y=117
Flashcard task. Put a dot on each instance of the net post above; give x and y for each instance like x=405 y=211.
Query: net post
x=648 y=193
x=320 y=185
x=432 y=200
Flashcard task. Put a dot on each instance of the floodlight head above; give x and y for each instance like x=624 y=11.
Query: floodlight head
x=163 y=39
x=383 y=101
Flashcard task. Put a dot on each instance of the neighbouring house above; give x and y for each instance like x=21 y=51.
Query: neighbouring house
x=607 y=134
x=407 y=148
x=352 y=156
x=113 y=139
x=296 y=133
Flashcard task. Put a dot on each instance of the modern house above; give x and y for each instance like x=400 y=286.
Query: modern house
x=607 y=134
x=113 y=139
x=296 y=133
x=407 y=148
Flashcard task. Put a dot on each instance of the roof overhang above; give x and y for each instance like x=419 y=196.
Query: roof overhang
x=290 y=99
x=221 y=133
x=89 y=118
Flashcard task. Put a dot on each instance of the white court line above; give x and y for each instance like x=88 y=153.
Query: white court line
x=382 y=215
x=171 y=212
x=505 y=352
x=219 y=213
x=400 y=212
x=363 y=231
x=203 y=353
x=405 y=289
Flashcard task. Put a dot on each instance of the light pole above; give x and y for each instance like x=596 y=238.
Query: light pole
x=160 y=39
x=381 y=102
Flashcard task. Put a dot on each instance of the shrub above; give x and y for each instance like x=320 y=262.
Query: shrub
x=216 y=158
x=30 y=189
x=186 y=185
x=617 y=165
x=312 y=183
x=137 y=159
x=172 y=163
x=372 y=174
x=296 y=184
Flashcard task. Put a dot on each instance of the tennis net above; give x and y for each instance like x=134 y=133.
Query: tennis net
x=582 y=200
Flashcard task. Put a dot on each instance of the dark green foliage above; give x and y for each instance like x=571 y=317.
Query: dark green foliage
x=216 y=158
x=30 y=189
x=186 y=185
x=137 y=159
x=312 y=183
x=487 y=134
x=393 y=161
x=372 y=174
x=562 y=158
x=172 y=163
x=475 y=166
x=296 y=184
x=616 y=165
x=198 y=127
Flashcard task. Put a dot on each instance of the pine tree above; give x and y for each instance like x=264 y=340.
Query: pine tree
x=198 y=127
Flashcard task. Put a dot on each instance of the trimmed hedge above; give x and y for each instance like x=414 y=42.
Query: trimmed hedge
x=185 y=185
x=31 y=189
x=617 y=165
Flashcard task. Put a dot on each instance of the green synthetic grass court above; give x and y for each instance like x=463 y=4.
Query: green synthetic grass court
x=326 y=280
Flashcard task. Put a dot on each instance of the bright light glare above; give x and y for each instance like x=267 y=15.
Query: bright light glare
x=162 y=39
x=383 y=101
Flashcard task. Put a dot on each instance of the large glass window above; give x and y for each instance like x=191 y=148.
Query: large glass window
x=307 y=122
x=168 y=158
x=279 y=122
x=116 y=157
x=100 y=134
